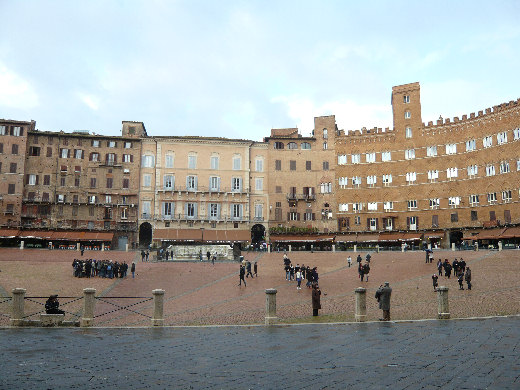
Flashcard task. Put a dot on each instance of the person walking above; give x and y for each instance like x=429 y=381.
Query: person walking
x=468 y=277
x=439 y=267
x=435 y=279
x=208 y=255
x=132 y=270
x=366 y=270
x=383 y=295
x=242 y=273
x=249 y=269
x=255 y=269
x=349 y=261
x=316 y=300
x=368 y=257
x=460 y=279
x=298 y=279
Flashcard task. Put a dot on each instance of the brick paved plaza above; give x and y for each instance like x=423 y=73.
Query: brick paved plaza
x=200 y=293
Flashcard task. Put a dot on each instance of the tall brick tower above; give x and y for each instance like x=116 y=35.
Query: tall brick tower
x=406 y=108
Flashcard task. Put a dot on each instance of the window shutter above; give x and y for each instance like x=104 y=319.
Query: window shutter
x=185 y=209
x=187 y=182
x=240 y=184
x=26 y=179
x=115 y=158
x=106 y=158
x=241 y=209
x=195 y=210
x=408 y=223
x=288 y=215
x=377 y=223
x=368 y=223
x=314 y=216
x=218 y=183
x=196 y=183
x=90 y=157
x=297 y=216
x=417 y=223
x=37 y=179
x=131 y=158
x=348 y=222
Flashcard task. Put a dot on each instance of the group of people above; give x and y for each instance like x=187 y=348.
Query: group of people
x=300 y=273
x=245 y=271
x=363 y=269
x=102 y=268
x=460 y=271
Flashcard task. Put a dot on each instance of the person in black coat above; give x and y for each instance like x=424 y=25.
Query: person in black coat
x=52 y=305
x=316 y=300
x=242 y=274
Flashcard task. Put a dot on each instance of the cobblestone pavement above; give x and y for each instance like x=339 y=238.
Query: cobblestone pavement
x=200 y=293
x=453 y=354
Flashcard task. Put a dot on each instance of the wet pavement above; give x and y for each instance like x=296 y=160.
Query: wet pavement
x=455 y=354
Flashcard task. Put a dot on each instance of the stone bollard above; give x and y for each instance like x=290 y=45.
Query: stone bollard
x=499 y=246
x=158 y=299
x=126 y=247
x=78 y=247
x=89 y=301
x=333 y=247
x=361 y=304
x=270 y=306
x=453 y=246
x=355 y=248
x=444 y=307
x=290 y=247
x=18 y=306
x=476 y=246
x=22 y=243
x=103 y=247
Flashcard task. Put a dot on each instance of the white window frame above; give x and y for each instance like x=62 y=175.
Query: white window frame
x=148 y=161
x=451 y=149
x=356 y=182
x=454 y=201
x=507 y=196
x=490 y=170
x=407 y=114
x=474 y=200
x=409 y=154
x=259 y=184
x=191 y=183
x=431 y=151
x=411 y=178
x=471 y=145
x=343 y=207
x=355 y=158
x=372 y=206
x=192 y=161
x=169 y=160
x=214 y=183
x=487 y=142
x=343 y=182
x=387 y=180
x=502 y=138
x=370 y=157
x=237 y=163
x=342 y=159
x=259 y=164
x=492 y=197
x=388 y=205
x=504 y=167
x=386 y=156
x=516 y=134
x=412 y=204
x=169 y=182
x=433 y=175
x=472 y=171
x=434 y=203
x=147 y=180
x=408 y=132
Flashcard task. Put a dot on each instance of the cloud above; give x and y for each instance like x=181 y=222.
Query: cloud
x=349 y=114
x=89 y=100
x=16 y=91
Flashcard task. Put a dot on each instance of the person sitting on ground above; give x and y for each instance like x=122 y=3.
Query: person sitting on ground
x=52 y=305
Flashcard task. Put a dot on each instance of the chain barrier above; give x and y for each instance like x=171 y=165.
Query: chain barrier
x=31 y=299
x=119 y=307
x=7 y=299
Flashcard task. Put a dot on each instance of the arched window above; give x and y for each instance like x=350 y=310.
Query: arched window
x=278 y=145
x=306 y=145
x=292 y=145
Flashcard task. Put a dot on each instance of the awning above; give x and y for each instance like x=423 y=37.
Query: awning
x=388 y=237
x=40 y=235
x=490 y=234
x=367 y=237
x=9 y=233
x=97 y=236
x=434 y=235
x=301 y=238
x=470 y=235
x=411 y=236
x=346 y=238
x=177 y=234
x=511 y=232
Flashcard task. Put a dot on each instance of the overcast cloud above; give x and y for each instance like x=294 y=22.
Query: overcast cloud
x=239 y=68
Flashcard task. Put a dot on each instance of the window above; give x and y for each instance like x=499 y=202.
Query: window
x=357 y=207
x=278 y=190
x=355 y=158
x=147 y=180
x=455 y=217
x=326 y=188
x=292 y=165
x=406 y=98
x=474 y=215
x=306 y=146
x=95 y=143
x=11 y=189
x=408 y=132
x=451 y=173
x=407 y=115
x=278 y=145
x=388 y=206
x=504 y=167
x=34 y=151
x=492 y=216
x=357 y=220
x=168 y=209
x=33 y=180
x=168 y=182
x=17 y=131
x=386 y=156
x=472 y=171
x=278 y=165
x=127 y=158
x=111 y=144
x=471 y=145
x=126 y=183
x=325 y=133
x=413 y=223
x=76 y=182
x=487 y=141
x=293 y=216
x=325 y=146
x=454 y=201
x=108 y=199
x=127 y=145
x=490 y=170
x=516 y=134
x=371 y=180
x=308 y=165
x=237 y=163
x=431 y=151
x=325 y=165
x=147 y=208
x=506 y=196
x=214 y=211
x=343 y=207
x=148 y=161
x=292 y=145
x=13 y=167
x=518 y=165
x=409 y=154
x=259 y=212
x=60 y=198
x=492 y=197
x=259 y=184
x=502 y=137
x=14 y=149
x=507 y=216
x=387 y=180
x=94 y=156
x=236 y=211
x=236 y=184
x=62 y=181
x=411 y=177
x=168 y=160
x=370 y=157
x=47 y=180
x=434 y=203
x=191 y=183
x=78 y=154
x=474 y=200
x=214 y=183
x=2 y=130
x=433 y=175
x=412 y=204
x=343 y=182
x=259 y=164
x=342 y=159
x=451 y=148
x=356 y=181
x=372 y=206
x=92 y=182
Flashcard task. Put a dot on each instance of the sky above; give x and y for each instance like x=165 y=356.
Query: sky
x=236 y=69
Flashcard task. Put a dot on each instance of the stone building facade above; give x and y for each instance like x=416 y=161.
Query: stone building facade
x=446 y=180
